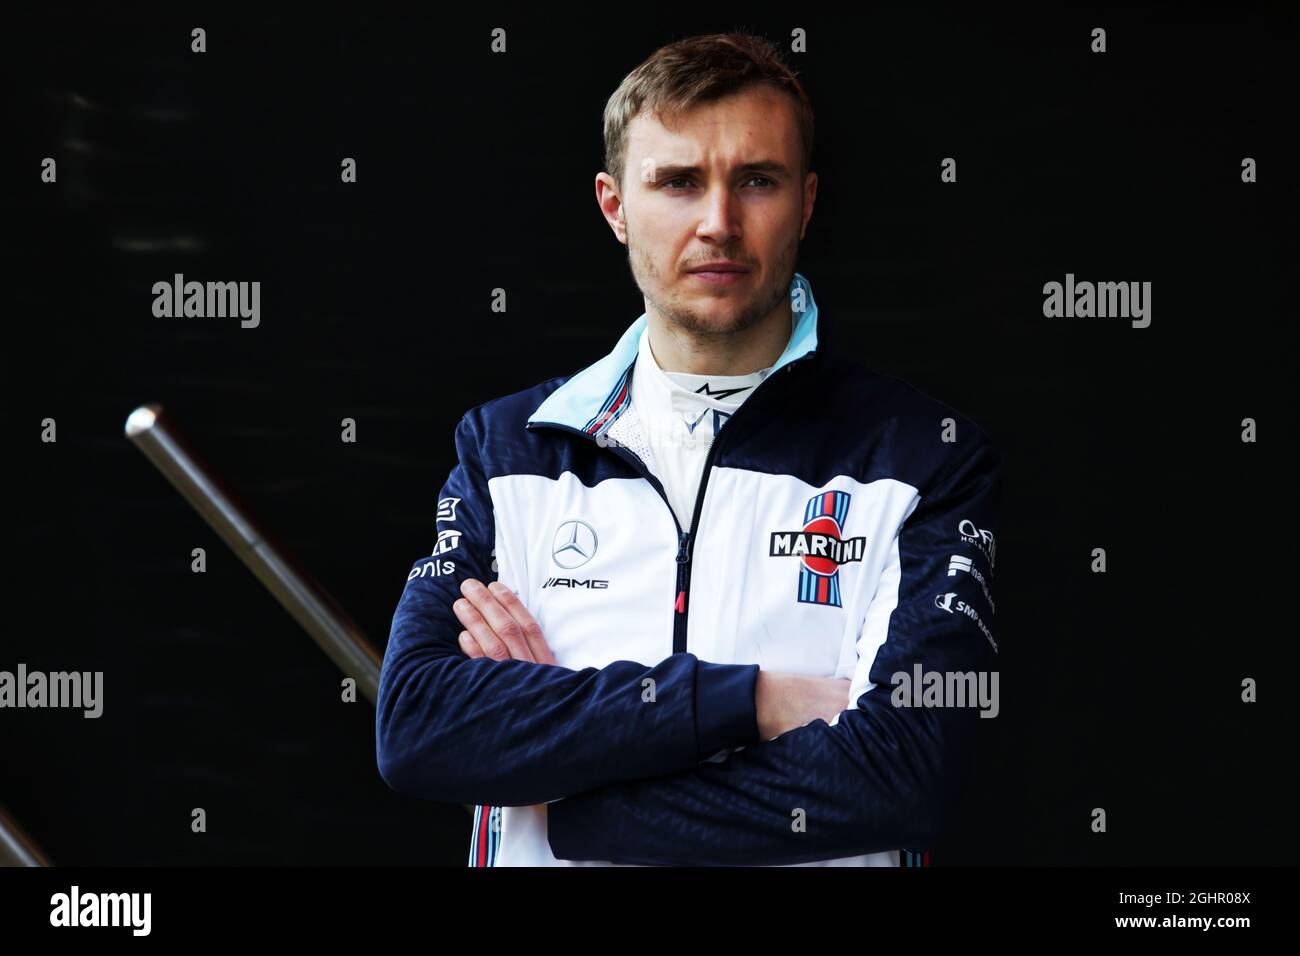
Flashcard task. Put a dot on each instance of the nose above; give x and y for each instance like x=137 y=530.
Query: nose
x=719 y=220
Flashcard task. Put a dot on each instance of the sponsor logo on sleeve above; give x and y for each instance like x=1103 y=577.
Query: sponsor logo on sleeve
x=979 y=537
x=953 y=605
x=432 y=569
x=960 y=562
x=447 y=541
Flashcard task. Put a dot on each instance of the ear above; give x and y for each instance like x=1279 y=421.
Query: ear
x=809 y=200
x=611 y=205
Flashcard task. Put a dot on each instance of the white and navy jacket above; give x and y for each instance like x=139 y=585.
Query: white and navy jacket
x=844 y=527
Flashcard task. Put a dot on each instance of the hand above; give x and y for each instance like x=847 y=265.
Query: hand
x=787 y=701
x=497 y=625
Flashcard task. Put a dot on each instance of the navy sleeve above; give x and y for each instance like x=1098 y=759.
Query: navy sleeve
x=878 y=777
x=515 y=733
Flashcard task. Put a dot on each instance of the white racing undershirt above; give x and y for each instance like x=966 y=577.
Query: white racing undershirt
x=673 y=418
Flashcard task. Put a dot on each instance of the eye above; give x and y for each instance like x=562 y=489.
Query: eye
x=766 y=182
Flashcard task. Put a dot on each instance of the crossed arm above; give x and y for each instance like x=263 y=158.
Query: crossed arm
x=510 y=730
x=641 y=821
x=498 y=626
x=457 y=729
x=859 y=778
x=633 y=784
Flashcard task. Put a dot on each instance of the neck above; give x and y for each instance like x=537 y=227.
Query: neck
x=676 y=349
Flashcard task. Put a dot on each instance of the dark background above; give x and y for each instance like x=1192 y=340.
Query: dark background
x=476 y=171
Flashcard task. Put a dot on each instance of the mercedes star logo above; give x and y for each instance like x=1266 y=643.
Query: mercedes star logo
x=575 y=544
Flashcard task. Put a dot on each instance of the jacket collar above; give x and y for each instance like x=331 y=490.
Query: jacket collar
x=590 y=400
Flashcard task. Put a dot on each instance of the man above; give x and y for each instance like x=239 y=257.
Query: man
x=712 y=549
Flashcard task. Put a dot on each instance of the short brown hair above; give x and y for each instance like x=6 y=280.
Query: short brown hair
x=698 y=70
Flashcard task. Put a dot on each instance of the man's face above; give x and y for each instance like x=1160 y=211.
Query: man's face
x=722 y=184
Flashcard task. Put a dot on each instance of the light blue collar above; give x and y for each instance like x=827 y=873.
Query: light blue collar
x=592 y=398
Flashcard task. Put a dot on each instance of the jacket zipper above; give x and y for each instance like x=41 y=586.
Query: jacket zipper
x=685 y=539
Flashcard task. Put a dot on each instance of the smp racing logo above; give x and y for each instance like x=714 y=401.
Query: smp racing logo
x=820 y=547
x=950 y=603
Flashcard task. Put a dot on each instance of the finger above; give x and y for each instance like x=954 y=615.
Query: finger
x=504 y=627
x=479 y=630
x=470 y=646
x=532 y=630
x=502 y=623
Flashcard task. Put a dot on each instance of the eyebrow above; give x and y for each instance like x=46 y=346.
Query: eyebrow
x=760 y=166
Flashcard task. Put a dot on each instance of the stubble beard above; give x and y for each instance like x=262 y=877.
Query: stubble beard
x=708 y=324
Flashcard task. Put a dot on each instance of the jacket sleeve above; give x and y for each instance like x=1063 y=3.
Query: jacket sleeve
x=878 y=777
x=515 y=733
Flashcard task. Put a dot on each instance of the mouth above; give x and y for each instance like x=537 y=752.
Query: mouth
x=720 y=273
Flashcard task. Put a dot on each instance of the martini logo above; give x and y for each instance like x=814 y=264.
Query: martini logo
x=820 y=547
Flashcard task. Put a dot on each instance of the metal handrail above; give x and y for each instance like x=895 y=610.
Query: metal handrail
x=16 y=847
x=300 y=594
x=327 y=623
